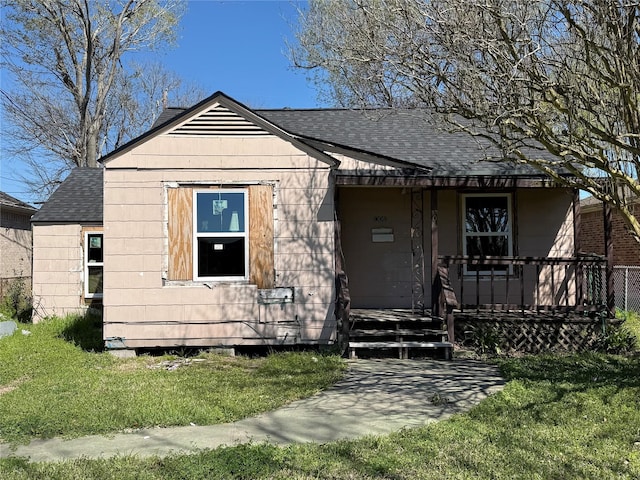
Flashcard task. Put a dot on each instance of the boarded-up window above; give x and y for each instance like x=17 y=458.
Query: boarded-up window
x=183 y=265
x=180 y=233
x=261 y=264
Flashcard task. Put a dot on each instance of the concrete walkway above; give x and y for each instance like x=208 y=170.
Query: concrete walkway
x=375 y=397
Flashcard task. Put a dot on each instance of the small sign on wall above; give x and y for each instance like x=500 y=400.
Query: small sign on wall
x=381 y=235
x=275 y=295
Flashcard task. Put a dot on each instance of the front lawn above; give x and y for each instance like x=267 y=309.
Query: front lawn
x=50 y=386
x=559 y=417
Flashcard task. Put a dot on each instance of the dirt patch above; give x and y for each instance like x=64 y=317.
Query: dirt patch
x=12 y=385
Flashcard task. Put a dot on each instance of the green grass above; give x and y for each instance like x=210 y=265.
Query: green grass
x=50 y=385
x=559 y=417
x=632 y=323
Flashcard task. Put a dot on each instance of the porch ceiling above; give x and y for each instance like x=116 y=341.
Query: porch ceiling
x=408 y=180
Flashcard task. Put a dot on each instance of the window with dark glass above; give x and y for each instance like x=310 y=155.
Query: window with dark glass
x=221 y=234
x=94 y=265
x=487 y=228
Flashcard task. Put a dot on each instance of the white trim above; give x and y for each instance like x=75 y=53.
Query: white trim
x=197 y=235
x=508 y=233
x=86 y=264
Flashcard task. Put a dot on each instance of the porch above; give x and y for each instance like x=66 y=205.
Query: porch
x=521 y=281
x=555 y=314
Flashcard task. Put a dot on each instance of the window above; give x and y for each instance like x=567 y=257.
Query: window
x=220 y=232
x=93 y=264
x=487 y=228
x=207 y=242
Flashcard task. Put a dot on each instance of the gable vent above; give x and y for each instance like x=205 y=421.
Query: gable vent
x=219 y=121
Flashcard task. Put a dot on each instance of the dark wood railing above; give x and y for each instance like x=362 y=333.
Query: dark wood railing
x=541 y=283
x=446 y=300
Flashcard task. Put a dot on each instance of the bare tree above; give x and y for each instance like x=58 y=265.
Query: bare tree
x=74 y=91
x=553 y=83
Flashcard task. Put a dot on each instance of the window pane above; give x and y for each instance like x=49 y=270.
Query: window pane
x=221 y=257
x=487 y=214
x=94 y=280
x=94 y=247
x=487 y=246
x=220 y=212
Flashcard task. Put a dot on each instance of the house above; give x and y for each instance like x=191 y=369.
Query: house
x=626 y=250
x=227 y=226
x=15 y=240
x=67 y=278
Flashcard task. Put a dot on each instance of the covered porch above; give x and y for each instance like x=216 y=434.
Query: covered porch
x=532 y=286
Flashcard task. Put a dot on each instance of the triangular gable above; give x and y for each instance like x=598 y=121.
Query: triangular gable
x=218 y=121
x=220 y=115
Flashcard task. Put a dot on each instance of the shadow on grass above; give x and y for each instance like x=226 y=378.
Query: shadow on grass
x=85 y=331
x=586 y=370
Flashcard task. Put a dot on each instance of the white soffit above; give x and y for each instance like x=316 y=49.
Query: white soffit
x=218 y=121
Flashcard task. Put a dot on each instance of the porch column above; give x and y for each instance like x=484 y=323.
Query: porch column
x=343 y=297
x=608 y=252
x=417 y=251
x=577 y=247
x=434 y=249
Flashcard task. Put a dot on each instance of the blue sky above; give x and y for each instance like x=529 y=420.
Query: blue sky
x=234 y=46
x=239 y=47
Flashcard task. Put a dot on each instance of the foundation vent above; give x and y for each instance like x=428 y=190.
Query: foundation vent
x=219 y=121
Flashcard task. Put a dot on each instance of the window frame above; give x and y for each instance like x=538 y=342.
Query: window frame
x=244 y=233
x=87 y=264
x=508 y=233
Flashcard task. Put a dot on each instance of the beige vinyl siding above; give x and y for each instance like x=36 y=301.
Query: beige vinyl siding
x=545 y=228
x=143 y=305
x=57 y=271
x=379 y=273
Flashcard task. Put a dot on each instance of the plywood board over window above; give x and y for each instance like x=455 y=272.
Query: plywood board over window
x=261 y=263
x=261 y=231
x=180 y=230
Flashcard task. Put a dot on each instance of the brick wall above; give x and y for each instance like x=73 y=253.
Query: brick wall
x=626 y=251
x=15 y=253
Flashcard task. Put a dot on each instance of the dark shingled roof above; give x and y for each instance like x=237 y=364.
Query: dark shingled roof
x=77 y=200
x=7 y=200
x=404 y=135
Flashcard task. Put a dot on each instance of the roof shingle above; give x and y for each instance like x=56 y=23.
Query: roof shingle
x=77 y=200
x=7 y=200
x=404 y=135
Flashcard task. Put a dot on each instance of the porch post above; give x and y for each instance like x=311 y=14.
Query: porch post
x=577 y=247
x=608 y=251
x=343 y=297
x=434 y=249
x=417 y=251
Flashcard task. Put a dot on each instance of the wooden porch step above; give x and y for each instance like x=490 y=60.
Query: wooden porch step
x=402 y=346
x=363 y=332
x=391 y=316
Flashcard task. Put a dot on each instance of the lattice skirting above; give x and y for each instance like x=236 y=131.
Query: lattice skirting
x=530 y=334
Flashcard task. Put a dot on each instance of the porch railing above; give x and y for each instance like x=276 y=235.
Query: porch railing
x=446 y=300
x=524 y=284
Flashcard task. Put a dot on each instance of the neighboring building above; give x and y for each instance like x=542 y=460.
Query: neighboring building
x=626 y=250
x=15 y=240
x=227 y=226
x=59 y=240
